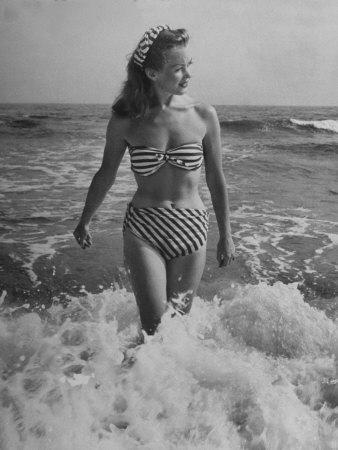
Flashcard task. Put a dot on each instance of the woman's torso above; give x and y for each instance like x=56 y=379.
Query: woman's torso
x=169 y=185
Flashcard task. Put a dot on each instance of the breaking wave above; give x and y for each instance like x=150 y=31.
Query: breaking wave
x=323 y=125
x=253 y=369
x=286 y=125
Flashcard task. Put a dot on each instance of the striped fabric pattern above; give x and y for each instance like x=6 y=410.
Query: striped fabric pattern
x=173 y=232
x=146 y=42
x=147 y=160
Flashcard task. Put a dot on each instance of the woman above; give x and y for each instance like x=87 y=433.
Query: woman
x=168 y=135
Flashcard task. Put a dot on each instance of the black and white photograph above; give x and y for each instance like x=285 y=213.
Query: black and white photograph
x=169 y=224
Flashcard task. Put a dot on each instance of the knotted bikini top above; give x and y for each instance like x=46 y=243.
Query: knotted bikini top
x=147 y=160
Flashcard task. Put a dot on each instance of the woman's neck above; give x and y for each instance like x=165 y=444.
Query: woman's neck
x=163 y=99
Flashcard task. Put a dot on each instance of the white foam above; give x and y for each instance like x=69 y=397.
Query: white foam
x=262 y=235
x=3 y=296
x=327 y=124
x=242 y=370
x=45 y=247
x=333 y=238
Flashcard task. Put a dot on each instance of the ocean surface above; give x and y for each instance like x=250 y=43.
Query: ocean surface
x=255 y=363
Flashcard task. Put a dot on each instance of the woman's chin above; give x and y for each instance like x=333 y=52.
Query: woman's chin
x=182 y=90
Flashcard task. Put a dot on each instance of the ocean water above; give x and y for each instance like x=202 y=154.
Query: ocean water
x=255 y=363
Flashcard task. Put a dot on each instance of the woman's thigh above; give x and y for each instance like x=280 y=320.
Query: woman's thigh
x=183 y=277
x=148 y=278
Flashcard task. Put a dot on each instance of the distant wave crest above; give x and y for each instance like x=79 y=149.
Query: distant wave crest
x=28 y=121
x=253 y=125
x=23 y=123
x=242 y=124
x=288 y=125
x=326 y=125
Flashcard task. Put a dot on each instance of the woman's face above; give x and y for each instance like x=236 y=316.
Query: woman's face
x=174 y=77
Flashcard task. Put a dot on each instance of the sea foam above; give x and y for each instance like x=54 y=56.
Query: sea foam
x=328 y=124
x=254 y=368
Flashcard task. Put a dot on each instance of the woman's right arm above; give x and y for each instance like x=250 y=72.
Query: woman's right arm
x=104 y=177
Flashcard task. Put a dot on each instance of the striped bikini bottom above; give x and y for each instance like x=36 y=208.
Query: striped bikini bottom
x=173 y=232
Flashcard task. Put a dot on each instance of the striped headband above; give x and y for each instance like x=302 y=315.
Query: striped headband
x=146 y=42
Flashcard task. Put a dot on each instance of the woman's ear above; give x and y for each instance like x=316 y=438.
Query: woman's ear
x=151 y=73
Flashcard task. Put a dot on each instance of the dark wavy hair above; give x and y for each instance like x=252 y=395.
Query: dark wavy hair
x=137 y=95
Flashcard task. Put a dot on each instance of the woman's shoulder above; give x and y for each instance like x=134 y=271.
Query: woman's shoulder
x=119 y=119
x=117 y=126
x=205 y=110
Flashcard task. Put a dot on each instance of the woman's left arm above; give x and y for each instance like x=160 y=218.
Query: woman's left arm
x=217 y=186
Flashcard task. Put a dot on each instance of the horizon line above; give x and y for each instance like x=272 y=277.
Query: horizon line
x=214 y=104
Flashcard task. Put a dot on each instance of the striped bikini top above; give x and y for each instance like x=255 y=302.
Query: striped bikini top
x=147 y=160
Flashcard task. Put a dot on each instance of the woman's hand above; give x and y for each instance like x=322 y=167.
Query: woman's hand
x=225 y=251
x=82 y=235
